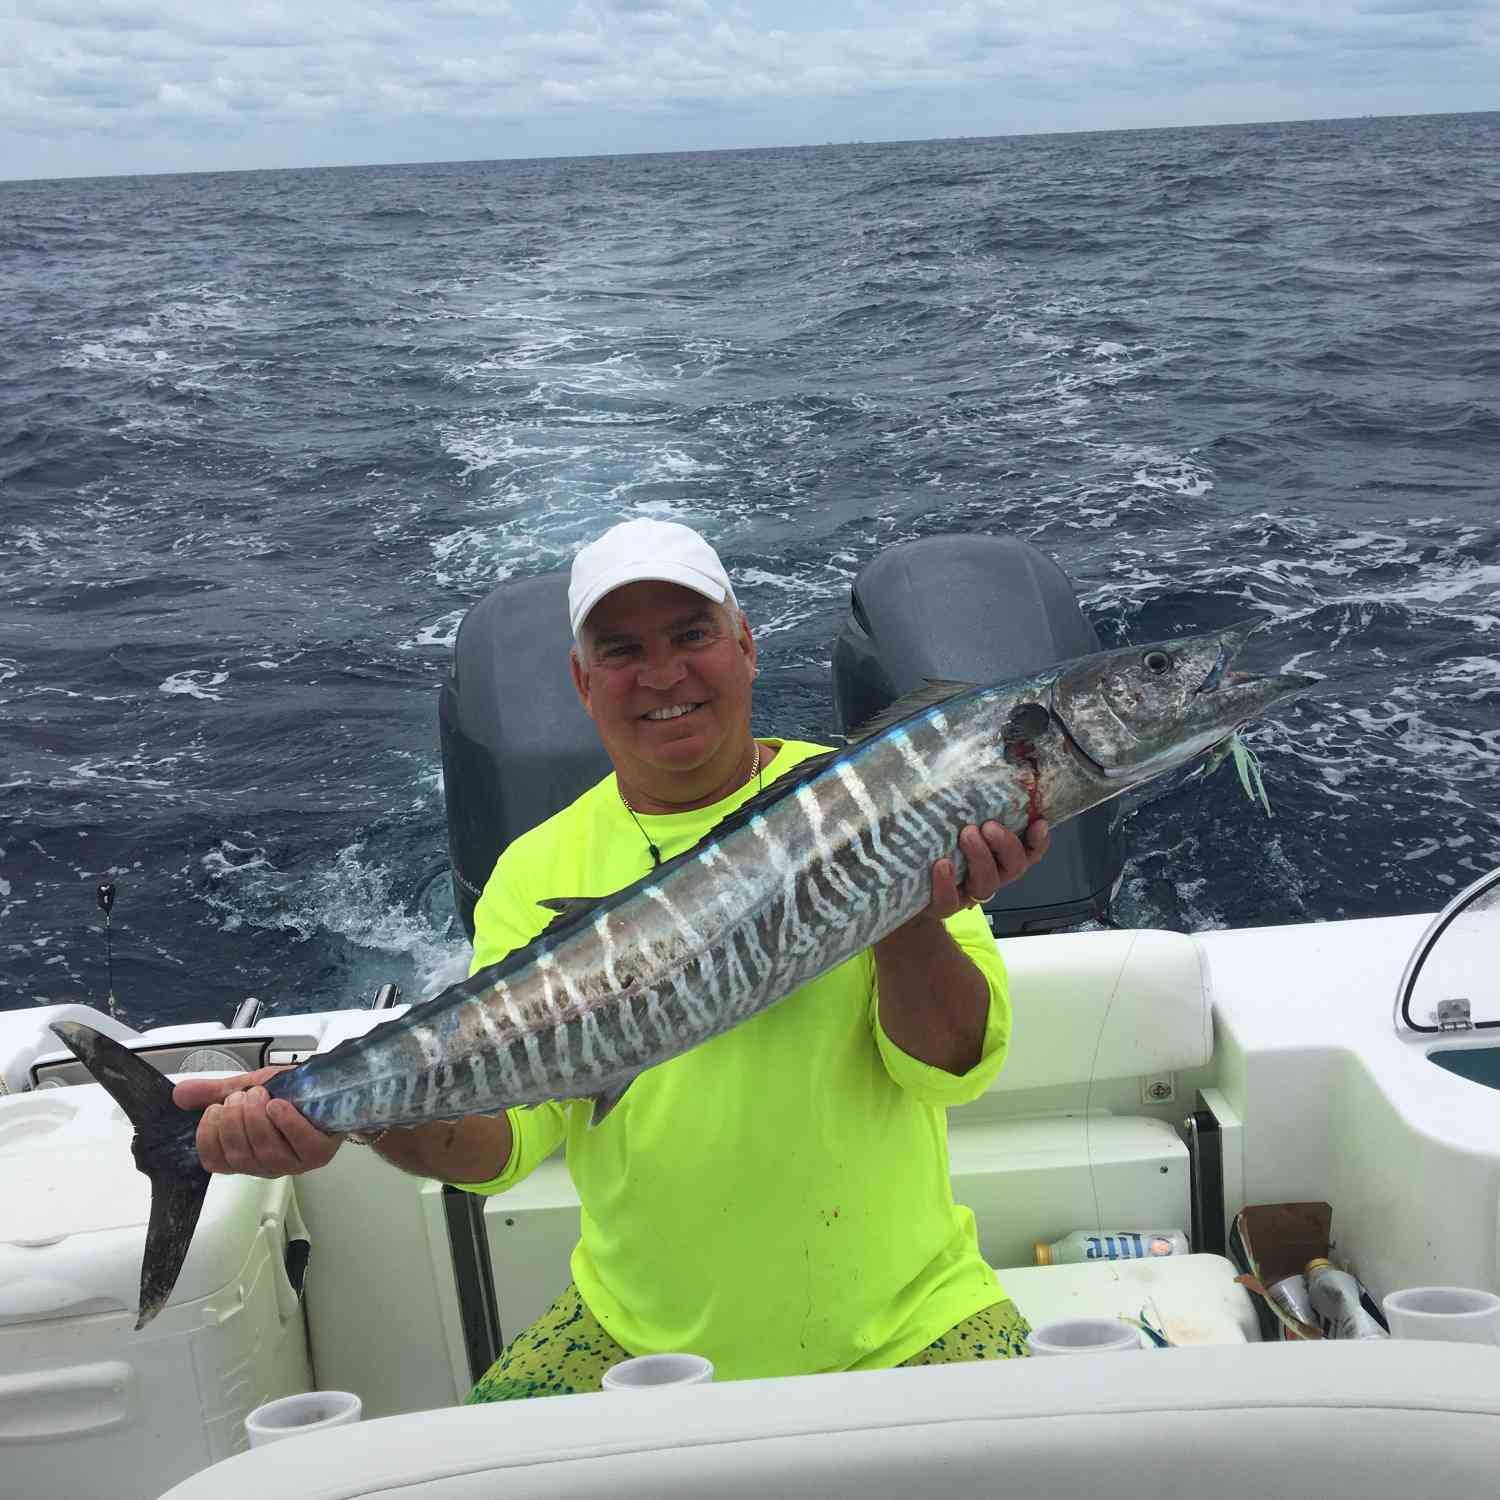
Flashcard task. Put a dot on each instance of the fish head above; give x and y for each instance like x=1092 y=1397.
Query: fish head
x=1138 y=711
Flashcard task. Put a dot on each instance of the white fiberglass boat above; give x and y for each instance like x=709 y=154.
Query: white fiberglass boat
x=1156 y=1080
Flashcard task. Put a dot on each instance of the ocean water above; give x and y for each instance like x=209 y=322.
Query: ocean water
x=266 y=436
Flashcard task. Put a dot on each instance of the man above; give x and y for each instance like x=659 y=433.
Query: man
x=778 y=1198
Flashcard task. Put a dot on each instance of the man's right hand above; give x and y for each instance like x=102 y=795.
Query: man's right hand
x=244 y=1130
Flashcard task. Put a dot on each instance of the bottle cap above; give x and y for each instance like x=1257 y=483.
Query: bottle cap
x=1042 y=1251
x=1313 y=1265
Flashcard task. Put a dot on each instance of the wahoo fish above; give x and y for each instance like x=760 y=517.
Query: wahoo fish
x=819 y=865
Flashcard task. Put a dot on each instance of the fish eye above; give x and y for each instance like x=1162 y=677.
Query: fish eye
x=1157 y=662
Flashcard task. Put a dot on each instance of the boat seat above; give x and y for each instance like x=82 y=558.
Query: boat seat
x=1192 y=1299
x=1381 y=1419
x=1095 y=1006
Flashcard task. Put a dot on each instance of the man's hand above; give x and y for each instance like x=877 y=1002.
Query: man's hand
x=996 y=858
x=244 y=1130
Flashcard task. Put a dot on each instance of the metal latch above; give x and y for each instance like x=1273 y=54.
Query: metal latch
x=1453 y=1015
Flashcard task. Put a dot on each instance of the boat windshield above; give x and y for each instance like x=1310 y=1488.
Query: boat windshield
x=1453 y=975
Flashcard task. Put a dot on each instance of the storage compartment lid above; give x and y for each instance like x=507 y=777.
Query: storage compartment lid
x=74 y=1226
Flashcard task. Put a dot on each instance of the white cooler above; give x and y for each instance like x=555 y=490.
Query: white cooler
x=89 y=1407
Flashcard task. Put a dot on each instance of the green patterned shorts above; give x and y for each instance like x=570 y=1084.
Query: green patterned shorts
x=566 y=1351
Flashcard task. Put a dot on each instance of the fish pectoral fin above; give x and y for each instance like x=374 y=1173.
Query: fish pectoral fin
x=568 y=909
x=607 y=1099
x=929 y=695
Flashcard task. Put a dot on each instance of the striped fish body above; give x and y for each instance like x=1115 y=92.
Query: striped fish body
x=826 y=865
x=826 y=861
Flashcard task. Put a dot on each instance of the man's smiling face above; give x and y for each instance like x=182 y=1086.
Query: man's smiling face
x=665 y=675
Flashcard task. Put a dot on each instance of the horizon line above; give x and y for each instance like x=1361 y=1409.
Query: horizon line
x=349 y=166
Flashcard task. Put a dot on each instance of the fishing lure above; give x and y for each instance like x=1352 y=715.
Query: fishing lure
x=1246 y=763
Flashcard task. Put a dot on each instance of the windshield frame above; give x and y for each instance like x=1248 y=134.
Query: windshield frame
x=1425 y=945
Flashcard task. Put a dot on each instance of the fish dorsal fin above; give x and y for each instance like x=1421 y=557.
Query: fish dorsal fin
x=569 y=909
x=929 y=695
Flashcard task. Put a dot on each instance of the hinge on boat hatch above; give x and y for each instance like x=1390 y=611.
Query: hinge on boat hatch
x=1453 y=1015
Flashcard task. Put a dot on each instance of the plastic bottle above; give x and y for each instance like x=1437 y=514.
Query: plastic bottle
x=1111 y=1244
x=1335 y=1295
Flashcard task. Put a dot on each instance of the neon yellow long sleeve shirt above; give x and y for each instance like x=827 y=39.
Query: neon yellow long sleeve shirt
x=778 y=1199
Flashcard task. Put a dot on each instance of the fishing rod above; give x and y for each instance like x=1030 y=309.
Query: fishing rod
x=106 y=897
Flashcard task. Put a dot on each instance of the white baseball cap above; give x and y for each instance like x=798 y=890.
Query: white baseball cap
x=638 y=550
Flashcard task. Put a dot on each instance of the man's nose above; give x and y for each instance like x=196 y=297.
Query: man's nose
x=662 y=669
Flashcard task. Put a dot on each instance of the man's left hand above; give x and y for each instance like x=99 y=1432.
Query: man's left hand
x=995 y=858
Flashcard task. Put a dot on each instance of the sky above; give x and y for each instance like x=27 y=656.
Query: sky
x=97 y=87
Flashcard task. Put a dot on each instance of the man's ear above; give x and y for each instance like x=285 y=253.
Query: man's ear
x=580 y=679
x=747 y=642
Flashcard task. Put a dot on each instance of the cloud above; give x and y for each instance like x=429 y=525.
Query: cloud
x=1420 y=7
x=115 y=77
x=96 y=15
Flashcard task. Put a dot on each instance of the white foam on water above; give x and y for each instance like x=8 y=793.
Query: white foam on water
x=136 y=771
x=1361 y=754
x=805 y=592
x=229 y=541
x=428 y=782
x=493 y=445
x=1480 y=672
x=1379 y=544
x=571 y=360
x=660 y=510
x=1435 y=590
x=229 y=858
x=117 y=352
x=195 y=683
x=465 y=559
x=182 y=347
x=197 y=309
x=351 y=899
x=1167 y=473
x=545 y=534
x=442 y=632
x=1361 y=573
x=1426 y=743
x=673 y=463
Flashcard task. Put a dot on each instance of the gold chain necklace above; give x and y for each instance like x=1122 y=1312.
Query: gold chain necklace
x=655 y=852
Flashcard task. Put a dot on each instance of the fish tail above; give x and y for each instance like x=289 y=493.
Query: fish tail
x=165 y=1149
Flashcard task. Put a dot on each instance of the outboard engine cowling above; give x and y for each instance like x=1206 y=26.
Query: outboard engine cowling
x=517 y=745
x=979 y=609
